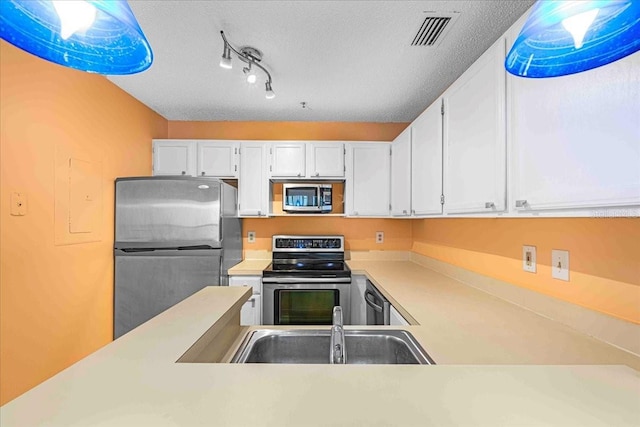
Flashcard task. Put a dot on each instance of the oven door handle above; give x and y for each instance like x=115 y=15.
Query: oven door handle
x=370 y=303
x=305 y=280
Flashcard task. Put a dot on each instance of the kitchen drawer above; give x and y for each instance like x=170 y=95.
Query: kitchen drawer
x=254 y=281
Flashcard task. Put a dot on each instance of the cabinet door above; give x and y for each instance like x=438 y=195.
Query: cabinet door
x=326 y=160
x=253 y=181
x=475 y=142
x=576 y=139
x=218 y=159
x=401 y=174
x=174 y=157
x=358 y=306
x=426 y=162
x=396 y=319
x=287 y=160
x=250 y=313
x=368 y=179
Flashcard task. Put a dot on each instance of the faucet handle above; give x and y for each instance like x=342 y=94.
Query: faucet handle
x=337 y=315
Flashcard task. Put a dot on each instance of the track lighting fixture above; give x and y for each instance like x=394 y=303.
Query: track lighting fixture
x=252 y=57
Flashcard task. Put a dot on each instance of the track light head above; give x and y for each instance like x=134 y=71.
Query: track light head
x=225 y=62
x=270 y=93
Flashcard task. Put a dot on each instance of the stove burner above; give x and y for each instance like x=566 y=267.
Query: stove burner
x=306 y=256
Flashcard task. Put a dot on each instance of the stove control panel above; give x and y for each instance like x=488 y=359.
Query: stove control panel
x=308 y=243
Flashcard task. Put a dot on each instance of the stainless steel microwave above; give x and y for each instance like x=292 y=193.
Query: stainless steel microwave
x=306 y=198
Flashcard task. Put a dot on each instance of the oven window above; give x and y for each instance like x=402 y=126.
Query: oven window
x=305 y=306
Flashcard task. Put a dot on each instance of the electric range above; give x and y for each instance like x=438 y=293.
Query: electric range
x=307 y=277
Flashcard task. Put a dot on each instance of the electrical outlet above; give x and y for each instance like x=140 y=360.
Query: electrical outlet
x=529 y=258
x=251 y=237
x=560 y=264
x=379 y=236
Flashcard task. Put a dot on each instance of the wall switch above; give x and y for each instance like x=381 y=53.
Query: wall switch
x=529 y=258
x=251 y=237
x=560 y=264
x=379 y=236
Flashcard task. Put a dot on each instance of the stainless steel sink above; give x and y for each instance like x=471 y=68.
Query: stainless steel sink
x=312 y=346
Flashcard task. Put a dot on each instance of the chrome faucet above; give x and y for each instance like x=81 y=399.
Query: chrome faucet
x=338 y=351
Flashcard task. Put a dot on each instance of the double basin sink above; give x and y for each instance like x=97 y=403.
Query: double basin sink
x=312 y=346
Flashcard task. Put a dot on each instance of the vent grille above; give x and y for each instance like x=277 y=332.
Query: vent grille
x=430 y=31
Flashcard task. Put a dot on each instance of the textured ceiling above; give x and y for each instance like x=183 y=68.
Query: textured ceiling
x=348 y=60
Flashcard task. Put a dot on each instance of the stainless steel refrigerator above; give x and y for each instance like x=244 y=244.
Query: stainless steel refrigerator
x=173 y=237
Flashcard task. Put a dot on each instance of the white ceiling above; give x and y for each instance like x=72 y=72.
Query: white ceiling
x=348 y=60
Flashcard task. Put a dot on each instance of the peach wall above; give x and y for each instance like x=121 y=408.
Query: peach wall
x=359 y=233
x=57 y=300
x=604 y=255
x=333 y=131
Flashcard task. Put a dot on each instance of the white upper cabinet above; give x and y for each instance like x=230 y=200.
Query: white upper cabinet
x=426 y=162
x=253 y=180
x=368 y=179
x=576 y=138
x=474 y=135
x=218 y=158
x=401 y=174
x=174 y=157
x=288 y=160
x=310 y=160
x=325 y=160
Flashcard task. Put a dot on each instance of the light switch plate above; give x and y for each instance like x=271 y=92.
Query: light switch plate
x=560 y=264
x=251 y=237
x=529 y=258
x=379 y=236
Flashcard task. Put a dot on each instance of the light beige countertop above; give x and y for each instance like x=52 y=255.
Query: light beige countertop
x=249 y=267
x=135 y=381
x=459 y=324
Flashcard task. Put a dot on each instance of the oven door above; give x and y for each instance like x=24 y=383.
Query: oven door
x=304 y=303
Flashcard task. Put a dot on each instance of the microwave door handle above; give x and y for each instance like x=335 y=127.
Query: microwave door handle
x=370 y=303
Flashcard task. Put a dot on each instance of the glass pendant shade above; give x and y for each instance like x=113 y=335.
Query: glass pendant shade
x=568 y=37
x=95 y=36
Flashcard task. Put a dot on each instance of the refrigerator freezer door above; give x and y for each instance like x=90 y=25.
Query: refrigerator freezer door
x=147 y=283
x=162 y=212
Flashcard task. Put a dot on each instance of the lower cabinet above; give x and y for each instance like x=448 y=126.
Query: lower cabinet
x=251 y=313
x=396 y=318
x=358 y=306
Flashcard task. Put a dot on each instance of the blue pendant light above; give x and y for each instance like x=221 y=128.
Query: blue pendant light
x=95 y=36
x=568 y=37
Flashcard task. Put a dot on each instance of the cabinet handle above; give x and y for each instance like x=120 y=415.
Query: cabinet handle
x=404 y=212
x=413 y=211
x=355 y=213
x=203 y=173
x=235 y=168
x=521 y=203
x=299 y=174
x=184 y=172
x=317 y=173
x=489 y=205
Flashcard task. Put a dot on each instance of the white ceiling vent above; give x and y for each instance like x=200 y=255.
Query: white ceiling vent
x=433 y=29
